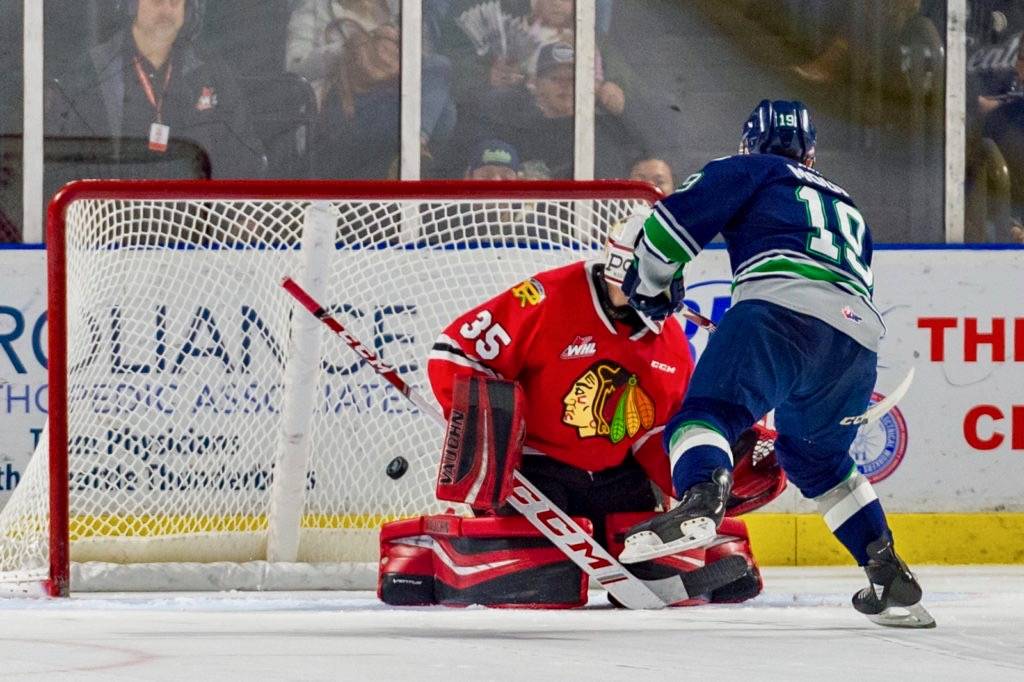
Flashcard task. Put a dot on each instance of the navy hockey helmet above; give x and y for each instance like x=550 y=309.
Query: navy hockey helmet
x=780 y=127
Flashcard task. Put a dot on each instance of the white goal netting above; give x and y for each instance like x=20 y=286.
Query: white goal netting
x=208 y=413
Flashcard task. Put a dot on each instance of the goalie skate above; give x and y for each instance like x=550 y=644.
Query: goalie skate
x=893 y=598
x=691 y=523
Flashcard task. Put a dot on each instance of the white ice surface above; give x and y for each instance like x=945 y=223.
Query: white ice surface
x=801 y=628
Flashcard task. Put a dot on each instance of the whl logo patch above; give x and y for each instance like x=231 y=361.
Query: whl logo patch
x=581 y=347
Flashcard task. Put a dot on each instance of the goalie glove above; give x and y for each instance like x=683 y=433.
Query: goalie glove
x=757 y=478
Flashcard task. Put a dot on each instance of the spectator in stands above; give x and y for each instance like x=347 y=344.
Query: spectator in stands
x=554 y=21
x=494 y=45
x=1002 y=120
x=655 y=171
x=248 y=34
x=993 y=33
x=1017 y=234
x=842 y=41
x=493 y=160
x=351 y=52
x=151 y=81
x=486 y=42
x=317 y=31
x=538 y=119
x=1011 y=89
x=534 y=169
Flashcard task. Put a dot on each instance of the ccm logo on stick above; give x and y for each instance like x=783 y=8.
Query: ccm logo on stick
x=584 y=546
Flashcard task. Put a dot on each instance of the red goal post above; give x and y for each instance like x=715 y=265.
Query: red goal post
x=194 y=422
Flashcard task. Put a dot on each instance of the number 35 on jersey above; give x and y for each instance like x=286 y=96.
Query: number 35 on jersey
x=490 y=335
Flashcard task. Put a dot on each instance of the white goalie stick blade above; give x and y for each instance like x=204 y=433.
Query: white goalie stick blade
x=646 y=545
x=915 y=616
x=881 y=408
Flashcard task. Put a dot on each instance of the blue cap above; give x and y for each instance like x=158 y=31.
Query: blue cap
x=494 y=152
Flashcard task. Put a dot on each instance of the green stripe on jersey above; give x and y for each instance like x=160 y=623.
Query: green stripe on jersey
x=805 y=270
x=661 y=238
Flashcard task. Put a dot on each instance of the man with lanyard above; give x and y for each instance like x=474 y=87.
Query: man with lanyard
x=150 y=82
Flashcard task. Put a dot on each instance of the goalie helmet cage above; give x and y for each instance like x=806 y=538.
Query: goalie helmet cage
x=201 y=435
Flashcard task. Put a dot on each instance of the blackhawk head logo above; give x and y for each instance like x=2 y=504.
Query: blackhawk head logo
x=607 y=401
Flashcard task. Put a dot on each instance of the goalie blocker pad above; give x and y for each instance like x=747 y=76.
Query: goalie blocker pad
x=483 y=444
x=497 y=561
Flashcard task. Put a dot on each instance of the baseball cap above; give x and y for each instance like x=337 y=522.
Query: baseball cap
x=494 y=152
x=554 y=54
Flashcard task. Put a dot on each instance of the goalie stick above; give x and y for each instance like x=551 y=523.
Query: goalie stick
x=687 y=313
x=557 y=526
x=699 y=320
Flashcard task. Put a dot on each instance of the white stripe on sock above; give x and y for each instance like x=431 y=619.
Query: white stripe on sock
x=694 y=437
x=850 y=504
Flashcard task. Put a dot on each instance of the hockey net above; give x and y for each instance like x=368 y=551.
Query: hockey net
x=205 y=433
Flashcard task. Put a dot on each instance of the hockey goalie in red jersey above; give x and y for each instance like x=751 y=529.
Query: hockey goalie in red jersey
x=594 y=386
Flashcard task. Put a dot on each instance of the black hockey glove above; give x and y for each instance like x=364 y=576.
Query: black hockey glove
x=659 y=306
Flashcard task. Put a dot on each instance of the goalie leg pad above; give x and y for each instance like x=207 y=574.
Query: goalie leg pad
x=484 y=442
x=500 y=562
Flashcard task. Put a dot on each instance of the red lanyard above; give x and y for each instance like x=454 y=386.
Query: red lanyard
x=147 y=87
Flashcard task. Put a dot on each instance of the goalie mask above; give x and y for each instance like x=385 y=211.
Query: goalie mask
x=618 y=250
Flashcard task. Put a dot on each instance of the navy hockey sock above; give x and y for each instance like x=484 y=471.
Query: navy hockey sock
x=854 y=515
x=863 y=528
x=696 y=450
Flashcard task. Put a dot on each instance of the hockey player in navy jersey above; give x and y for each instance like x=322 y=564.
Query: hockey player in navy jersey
x=801 y=338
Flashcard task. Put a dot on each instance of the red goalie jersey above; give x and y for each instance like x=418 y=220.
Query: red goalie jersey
x=595 y=388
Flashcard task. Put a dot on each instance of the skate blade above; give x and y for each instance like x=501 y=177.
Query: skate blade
x=646 y=545
x=915 y=616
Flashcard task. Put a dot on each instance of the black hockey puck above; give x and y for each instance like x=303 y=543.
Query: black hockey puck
x=397 y=467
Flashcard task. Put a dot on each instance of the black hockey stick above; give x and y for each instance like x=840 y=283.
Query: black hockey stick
x=557 y=526
x=883 y=407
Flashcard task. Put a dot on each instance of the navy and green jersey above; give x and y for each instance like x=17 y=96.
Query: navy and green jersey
x=794 y=239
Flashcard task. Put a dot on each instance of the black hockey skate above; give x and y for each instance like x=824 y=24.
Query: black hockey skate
x=692 y=523
x=894 y=595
